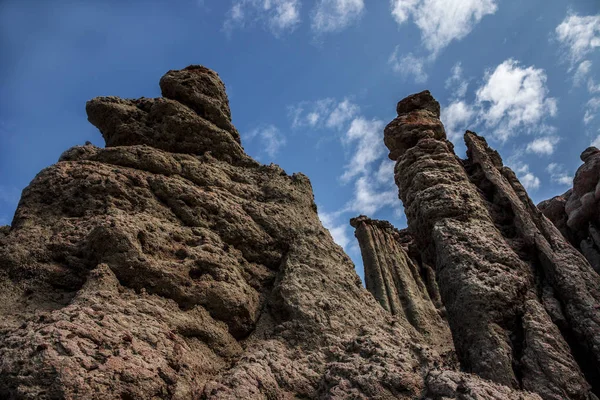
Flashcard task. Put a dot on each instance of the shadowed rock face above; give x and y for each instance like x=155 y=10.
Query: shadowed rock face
x=401 y=285
x=170 y=265
x=523 y=305
x=576 y=213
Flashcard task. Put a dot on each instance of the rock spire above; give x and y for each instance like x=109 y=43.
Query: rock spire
x=523 y=305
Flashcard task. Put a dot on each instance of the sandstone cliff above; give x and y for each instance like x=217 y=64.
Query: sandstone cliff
x=170 y=265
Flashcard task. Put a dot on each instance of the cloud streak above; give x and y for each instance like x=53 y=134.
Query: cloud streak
x=279 y=16
x=438 y=26
x=335 y=15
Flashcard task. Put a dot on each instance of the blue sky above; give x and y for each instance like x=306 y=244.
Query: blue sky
x=312 y=83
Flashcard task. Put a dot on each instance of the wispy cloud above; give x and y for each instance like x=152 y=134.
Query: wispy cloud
x=335 y=15
x=280 y=16
x=456 y=82
x=578 y=36
x=408 y=66
x=456 y=118
x=543 y=145
x=271 y=139
x=339 y=231
x=558 y=174
x=323 y=113
x=442 y=21
x=582 y=72
x=527 y=178
x=365 y=136
x=591 y=109
x=341 y=114
x=369 y=199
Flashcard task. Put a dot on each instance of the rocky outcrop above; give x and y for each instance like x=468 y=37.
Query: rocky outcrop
x=523 y=305
x=403 y=286
x=576 y=213
x=170 y=265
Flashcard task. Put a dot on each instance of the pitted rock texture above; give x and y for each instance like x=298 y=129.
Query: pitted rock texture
x=576 y=213
x=523 y=305
x=400 y=284
x=170 y=265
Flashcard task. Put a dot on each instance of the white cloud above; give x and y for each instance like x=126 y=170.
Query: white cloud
x=339 y=232
x=279 y=15
x=593 y=88
x=323 y=113
x=368 y=199
x=408 y=65
x=385 y=172
x=342 y=113
x=456 y=118
x=515 y=98
x=442 y=21
x=596 y=142
x=367 y=134
x=527 y=178
x=456 y=82
x=582 y=72
x=270 y=137
x=579 y=35
x=313 y=118
x=543 y=146
x=335 y=15
x=591 y=109
x=558 y=174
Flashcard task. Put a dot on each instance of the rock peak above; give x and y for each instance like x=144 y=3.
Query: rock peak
x=418 y=101
x=587 y=153
x=418 y=118
x=192 y=117
x=202 y=90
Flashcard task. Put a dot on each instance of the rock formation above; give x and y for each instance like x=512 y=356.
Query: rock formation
x=523 y=305
x=576 y=213
x=170 y=265
x=401 y=284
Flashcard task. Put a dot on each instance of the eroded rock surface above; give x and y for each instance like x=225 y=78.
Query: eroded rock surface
x=402 y=285
x=576 y=213
x=523 y=305
x=170 y=265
